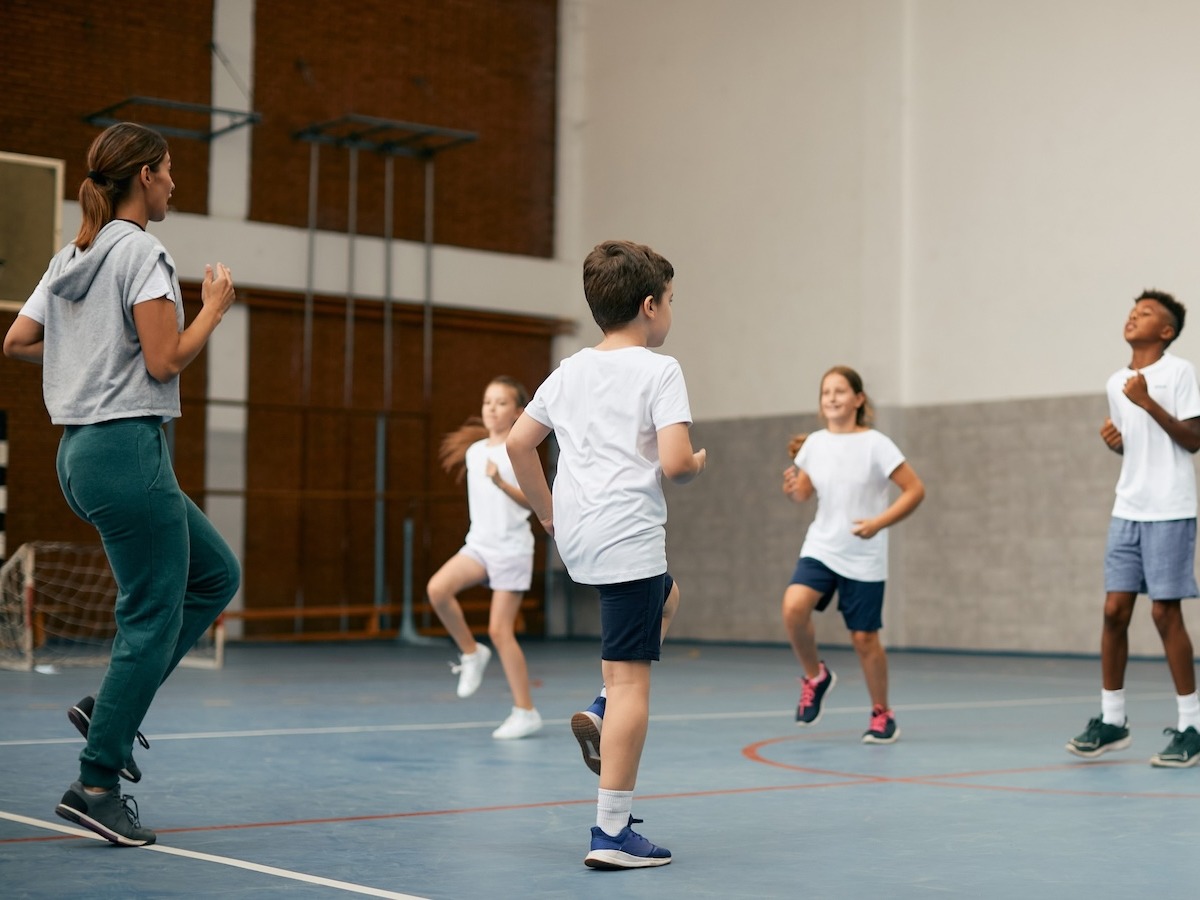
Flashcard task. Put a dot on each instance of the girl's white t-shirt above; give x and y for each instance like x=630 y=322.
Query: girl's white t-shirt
x=851 y=474
x=606 y=408
x=499 y=524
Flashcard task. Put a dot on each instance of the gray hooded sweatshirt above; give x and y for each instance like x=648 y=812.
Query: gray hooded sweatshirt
x=93 y=367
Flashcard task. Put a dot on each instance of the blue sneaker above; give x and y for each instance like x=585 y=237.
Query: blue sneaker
x=812 y=694
x=628 y=850
x=586 y=727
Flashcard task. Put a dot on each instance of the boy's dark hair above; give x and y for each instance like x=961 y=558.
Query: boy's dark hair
x=1176 y=309
x=618 y=276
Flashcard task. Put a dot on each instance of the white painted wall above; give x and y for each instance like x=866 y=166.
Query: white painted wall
x=1054 y=176
x=959 y=197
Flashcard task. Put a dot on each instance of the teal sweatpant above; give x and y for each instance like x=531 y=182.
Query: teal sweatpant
x=174 y=572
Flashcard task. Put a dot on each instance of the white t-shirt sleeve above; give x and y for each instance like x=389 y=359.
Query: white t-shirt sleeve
x=670 y=406
x=157 y=286
x=1187 y=394
x=35 y=307
x=887 y=454
x=536 y=408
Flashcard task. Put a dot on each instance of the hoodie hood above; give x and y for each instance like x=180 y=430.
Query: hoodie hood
x=73 y=270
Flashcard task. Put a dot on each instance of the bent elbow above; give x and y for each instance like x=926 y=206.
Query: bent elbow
x=680 y=474
x=162 y=373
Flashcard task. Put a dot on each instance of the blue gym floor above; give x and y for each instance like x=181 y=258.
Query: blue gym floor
x=335 y=770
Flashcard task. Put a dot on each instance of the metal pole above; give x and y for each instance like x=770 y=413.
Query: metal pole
x=428 y=319
x=408 y=633
x=306 y=369
x=310 y=267
x=381 y=442
x=351 y=228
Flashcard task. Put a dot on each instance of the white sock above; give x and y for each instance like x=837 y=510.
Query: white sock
x=1112 y=707
x=1189 y=711
x=604 y=691
x=612 y=810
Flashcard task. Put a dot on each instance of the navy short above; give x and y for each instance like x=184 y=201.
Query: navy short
x=631 y=618
x=860 y=602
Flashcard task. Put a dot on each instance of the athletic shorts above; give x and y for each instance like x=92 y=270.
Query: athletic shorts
x=504 y=573
x=1153 y=558
x=860 y=602
x=631 y=618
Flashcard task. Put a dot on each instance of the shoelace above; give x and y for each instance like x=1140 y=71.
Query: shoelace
x=455 y=667
x=808 y=691
x=1176 y=738
x=132 y=814
x=879 y=721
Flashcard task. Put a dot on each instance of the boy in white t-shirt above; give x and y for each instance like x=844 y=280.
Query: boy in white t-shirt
x=621 y=417
x=1154 y=423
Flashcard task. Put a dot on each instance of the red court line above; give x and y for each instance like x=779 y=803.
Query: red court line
x=544 y=804
x=753 y=753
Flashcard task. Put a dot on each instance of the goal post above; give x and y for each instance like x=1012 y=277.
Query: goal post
x=56 y=609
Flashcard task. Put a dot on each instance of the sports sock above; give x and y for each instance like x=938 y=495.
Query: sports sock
x=1112 y=707
x=612 y=810
x=604 y=691
x=1189 y=711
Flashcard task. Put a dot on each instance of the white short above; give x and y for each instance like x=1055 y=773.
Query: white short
x=504 y=573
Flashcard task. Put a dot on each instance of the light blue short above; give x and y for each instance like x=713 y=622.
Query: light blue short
x=1153 y=558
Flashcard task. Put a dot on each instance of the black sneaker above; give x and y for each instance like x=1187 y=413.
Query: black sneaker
x=1100 y=737
x=1183 y=751
x=107 y=814
x=812 y=694
x=882 y=729
x=81 y=717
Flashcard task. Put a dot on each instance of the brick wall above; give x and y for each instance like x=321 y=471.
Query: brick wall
x=67 y=59
x=475 y=65
x=487 y=66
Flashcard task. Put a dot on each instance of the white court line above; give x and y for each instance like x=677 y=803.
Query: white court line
x=347 y=886
x=661 y=717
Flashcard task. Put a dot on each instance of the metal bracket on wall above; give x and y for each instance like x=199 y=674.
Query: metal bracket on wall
x=236 y=118
x=385 y=136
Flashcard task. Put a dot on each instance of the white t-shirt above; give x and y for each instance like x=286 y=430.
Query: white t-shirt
x=499 y=525
x=1158 y=478
x=851 y=473
x=606 y=408
x=157 y=285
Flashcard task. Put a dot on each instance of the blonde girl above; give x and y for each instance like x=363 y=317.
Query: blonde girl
x=498 y=552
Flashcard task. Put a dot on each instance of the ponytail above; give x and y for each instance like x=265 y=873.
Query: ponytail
x=114 y=160
x=453 y=453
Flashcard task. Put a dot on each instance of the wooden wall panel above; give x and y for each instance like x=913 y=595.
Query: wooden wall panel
x=316 y=463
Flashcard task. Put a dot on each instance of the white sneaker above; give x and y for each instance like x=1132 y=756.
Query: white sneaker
x=521 y=723
x=470 y=669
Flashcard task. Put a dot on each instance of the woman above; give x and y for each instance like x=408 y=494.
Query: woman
x=106 y=323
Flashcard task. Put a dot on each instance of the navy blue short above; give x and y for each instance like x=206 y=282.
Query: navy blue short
x=631 y=618
x=860 y=602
